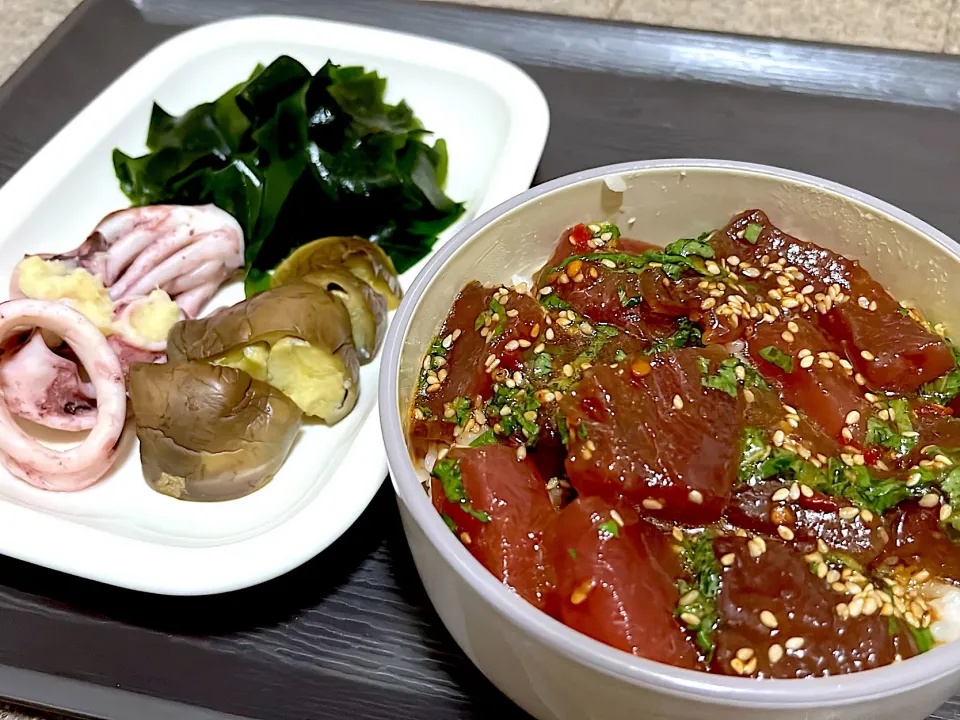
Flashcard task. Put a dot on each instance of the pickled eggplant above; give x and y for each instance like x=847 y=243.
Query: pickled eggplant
x=209 y=433
x=362 y=258
x=296 y=337
x=367 y=308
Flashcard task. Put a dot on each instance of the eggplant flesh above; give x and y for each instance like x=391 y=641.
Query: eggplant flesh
x=296 y=337
x=209 y=433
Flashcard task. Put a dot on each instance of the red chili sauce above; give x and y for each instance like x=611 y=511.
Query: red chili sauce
x=736 y=453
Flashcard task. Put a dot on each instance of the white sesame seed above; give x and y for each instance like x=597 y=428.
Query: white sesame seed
x=848 y=513
x=853 y=417
x=867 y=355
x=690 y=619
x=929 y=500
x=794 y=643
x=728 y=559
x=651 y=504
x=775 y=653
x=695 y=496
x=769 y=619
x=781 y=495
x=678 y=402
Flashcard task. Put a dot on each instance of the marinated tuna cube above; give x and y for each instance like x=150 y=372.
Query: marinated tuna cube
x=779 y=619
x=591 y=290
x=650 y=432
x=616 y=577
x=766 y=412
x=485 y=332
x=812 y=520
x=888 y=347
x=721 y=307
x=811 y=376
x=918 y=541
x=498 y=506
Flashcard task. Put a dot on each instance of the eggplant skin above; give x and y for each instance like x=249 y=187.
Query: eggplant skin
x=367 y=307
x=362 y=258
x=299 y=310
x=309 y=341
x=209 y=433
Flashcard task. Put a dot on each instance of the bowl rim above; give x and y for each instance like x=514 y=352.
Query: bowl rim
x=834 y=691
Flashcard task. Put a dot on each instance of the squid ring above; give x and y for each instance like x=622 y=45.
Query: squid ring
x=78 y=467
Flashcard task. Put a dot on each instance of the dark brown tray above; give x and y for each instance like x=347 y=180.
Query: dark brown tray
x=351 y=633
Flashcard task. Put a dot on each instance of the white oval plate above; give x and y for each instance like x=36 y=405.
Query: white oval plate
x=495 y=121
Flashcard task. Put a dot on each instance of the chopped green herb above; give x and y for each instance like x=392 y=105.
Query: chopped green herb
x=514 y=422
x=437 y=348
x=552 y=302
x=487 y=438
x=673 y=265
x=686 y=247
x=602 y=334
x=893 y=438
x=425 y=411
x=603 y=228
x=778 y=357
x=582 y=431
x=893 y=627
x=572 y=553
x=703 y=572
x=461 y=408
x=620 y=355
x=923 y=638
x=687 y=335
x=449 y=522
x=726 y=379
x=501 y=312
x=610 y=528
x=950 y=487
x=760 y=461
x=751 y=233
x=561 y=422
x=447 y=471
x=542 y=365
x=481 y=320
x=946 y=387
x=627 y=302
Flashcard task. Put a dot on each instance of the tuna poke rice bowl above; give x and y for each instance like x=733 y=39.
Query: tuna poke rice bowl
x=676 y=438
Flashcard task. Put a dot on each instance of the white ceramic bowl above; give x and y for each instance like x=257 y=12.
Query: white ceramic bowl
x=545 y=667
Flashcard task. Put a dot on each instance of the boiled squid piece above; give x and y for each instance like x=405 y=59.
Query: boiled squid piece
x=186 y=251
x=209 y=433
x=296 y=337
x=81 y=466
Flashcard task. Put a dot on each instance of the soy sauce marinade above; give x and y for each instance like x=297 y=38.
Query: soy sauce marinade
x=736 y=453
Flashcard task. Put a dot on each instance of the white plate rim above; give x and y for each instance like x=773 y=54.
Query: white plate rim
x=35 y=536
